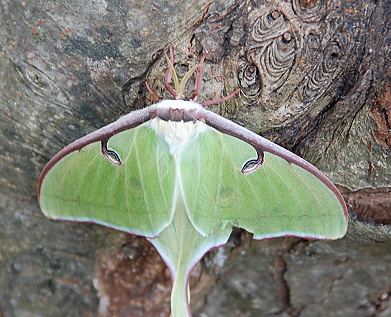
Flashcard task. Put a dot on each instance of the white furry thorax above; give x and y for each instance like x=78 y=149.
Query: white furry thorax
x=177 y=133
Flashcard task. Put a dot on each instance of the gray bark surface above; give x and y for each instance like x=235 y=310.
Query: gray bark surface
x=315 y=78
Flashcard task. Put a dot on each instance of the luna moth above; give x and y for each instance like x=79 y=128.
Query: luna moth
x=183 y=177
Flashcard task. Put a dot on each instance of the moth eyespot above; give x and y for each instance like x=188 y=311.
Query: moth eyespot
x=252 y=165
x=112 y=156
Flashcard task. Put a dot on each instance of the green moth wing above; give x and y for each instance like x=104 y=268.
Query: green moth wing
x=279 y=198
x=183 y=176
x=136 y=196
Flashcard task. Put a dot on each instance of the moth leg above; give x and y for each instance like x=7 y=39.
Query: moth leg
x=214 y=101
x=252 y=165
x=153 y=94
x=109 y=154
x=198 y=80
x=167 y=78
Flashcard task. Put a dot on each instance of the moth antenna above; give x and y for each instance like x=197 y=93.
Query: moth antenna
x=179 y=85
x=178 y=92
x=185 y=79
x=153 y=94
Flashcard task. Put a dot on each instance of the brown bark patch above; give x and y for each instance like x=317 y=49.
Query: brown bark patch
x=381 y=114
x=369 y=204
x=133 y=281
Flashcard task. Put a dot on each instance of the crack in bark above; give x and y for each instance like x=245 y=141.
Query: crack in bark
x=334 y=281
x=126 y=85
x=280 y=269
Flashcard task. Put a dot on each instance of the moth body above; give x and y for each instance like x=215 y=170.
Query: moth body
x=178 y=133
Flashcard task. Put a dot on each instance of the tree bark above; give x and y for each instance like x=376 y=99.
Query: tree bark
x=314 y=77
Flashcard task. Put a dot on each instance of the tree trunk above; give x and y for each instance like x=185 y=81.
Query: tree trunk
x=314 y=77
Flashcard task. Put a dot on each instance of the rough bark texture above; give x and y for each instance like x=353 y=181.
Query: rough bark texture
x=315 y=77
